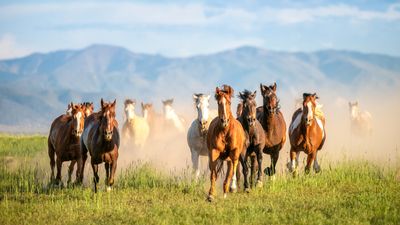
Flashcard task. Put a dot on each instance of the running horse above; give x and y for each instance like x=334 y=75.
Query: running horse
x=197 y=133
x=307 y=133
x=255 y=136
x=135 y=128
x=225 y=141
x=274 y=125
x=63 y=142
x=171 y=119
x=87 y=108
x=101 y=139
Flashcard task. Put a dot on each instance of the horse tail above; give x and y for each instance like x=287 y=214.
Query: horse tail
x=51 y=152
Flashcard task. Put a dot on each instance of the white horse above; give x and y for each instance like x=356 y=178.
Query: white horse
x=171 y=118
x=135 y=127
x=360 y=121
x=197 y=133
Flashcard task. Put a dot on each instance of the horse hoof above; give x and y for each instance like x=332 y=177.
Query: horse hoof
x=259 y=184
x=224 y=195
x=317 y=169
x=233 y=190
x=272 y=177
x=210 y=198
x=109 y=188
x=247 y=190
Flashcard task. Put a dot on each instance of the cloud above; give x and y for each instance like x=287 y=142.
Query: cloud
x=9 y=47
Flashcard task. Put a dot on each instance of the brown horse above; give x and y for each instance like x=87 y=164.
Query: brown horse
x=63 y=142
x=87 y=108
x=225 y=141
x=101 y=138
x=307 y=133
x=255 y=137
x=271 y=119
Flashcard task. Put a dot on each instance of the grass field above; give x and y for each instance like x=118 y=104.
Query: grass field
x=348 y=193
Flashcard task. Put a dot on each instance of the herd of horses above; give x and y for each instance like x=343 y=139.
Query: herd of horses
x=241 y=141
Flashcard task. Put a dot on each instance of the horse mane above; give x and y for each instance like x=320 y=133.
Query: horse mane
x=245 y=94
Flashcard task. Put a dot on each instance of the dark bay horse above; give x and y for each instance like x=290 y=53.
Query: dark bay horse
x=271 y=119
x=255 y=136
x=307 y=133
x=63 y=141
x=225 y=141
x=101 y=139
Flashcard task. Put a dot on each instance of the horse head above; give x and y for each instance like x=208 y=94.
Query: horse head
x=270 y=100
x=309 y=104
x=249 y=106
x=129 y=109
x=107 y=119
x=87 y=108
x=146 y=109
x=353 y=109
x=201 y=102
x=223 y=97
x=78 y=118
x=167 y=108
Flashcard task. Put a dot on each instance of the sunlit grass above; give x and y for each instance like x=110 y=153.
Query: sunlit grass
x=348 y=193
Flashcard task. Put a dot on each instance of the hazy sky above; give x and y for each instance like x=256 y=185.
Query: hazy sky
x=180 y=28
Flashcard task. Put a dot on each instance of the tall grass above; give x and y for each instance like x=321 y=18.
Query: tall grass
x=349 y=193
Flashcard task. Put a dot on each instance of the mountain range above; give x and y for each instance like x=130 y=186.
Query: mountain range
x=36 y=88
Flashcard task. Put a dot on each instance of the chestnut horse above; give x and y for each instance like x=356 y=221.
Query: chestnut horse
x=307 y=133
x=271 y=119
x=101 y=139
x=63 y=142
x=255 y=136
x=87 y=108
x=225 y=141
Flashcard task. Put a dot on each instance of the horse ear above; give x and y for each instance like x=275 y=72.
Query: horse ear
x=262 y=88
x=102 y=103
x=274 y=87
x=217 y=90
x=254 y=94
x=195 y=96
x=114 y=103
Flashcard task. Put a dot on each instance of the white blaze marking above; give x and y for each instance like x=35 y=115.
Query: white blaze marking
x=78 y=117
x=223 y=106
x=310 y=112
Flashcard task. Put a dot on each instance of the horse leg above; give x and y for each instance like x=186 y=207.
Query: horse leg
x=316 y=166
x=270 y=171
x=243 y=161
x=310 y=158
x=195 y=162
x=71 y=170
x=233 y=178
x=228 y=177
x=58 y=176
x=95 y=168
x=84 y=156
x=51 y=153
x=293 y=159
x=113 y=169
x=213 y=161
x=252 y=170
x=107 y=180
x=259 y=162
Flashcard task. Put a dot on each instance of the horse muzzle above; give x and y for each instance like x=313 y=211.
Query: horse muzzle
x=225 y=122
x=108 y=135
x=77 y=133
x=251 y=121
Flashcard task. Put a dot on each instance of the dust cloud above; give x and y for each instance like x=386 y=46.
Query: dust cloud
x=167 y=149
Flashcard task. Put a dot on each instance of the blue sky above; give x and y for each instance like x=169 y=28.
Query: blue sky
x=183 y=28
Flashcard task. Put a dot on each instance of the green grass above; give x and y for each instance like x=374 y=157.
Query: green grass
x=350 y=193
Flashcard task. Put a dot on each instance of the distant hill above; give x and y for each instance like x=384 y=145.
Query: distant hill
x=36 y=88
